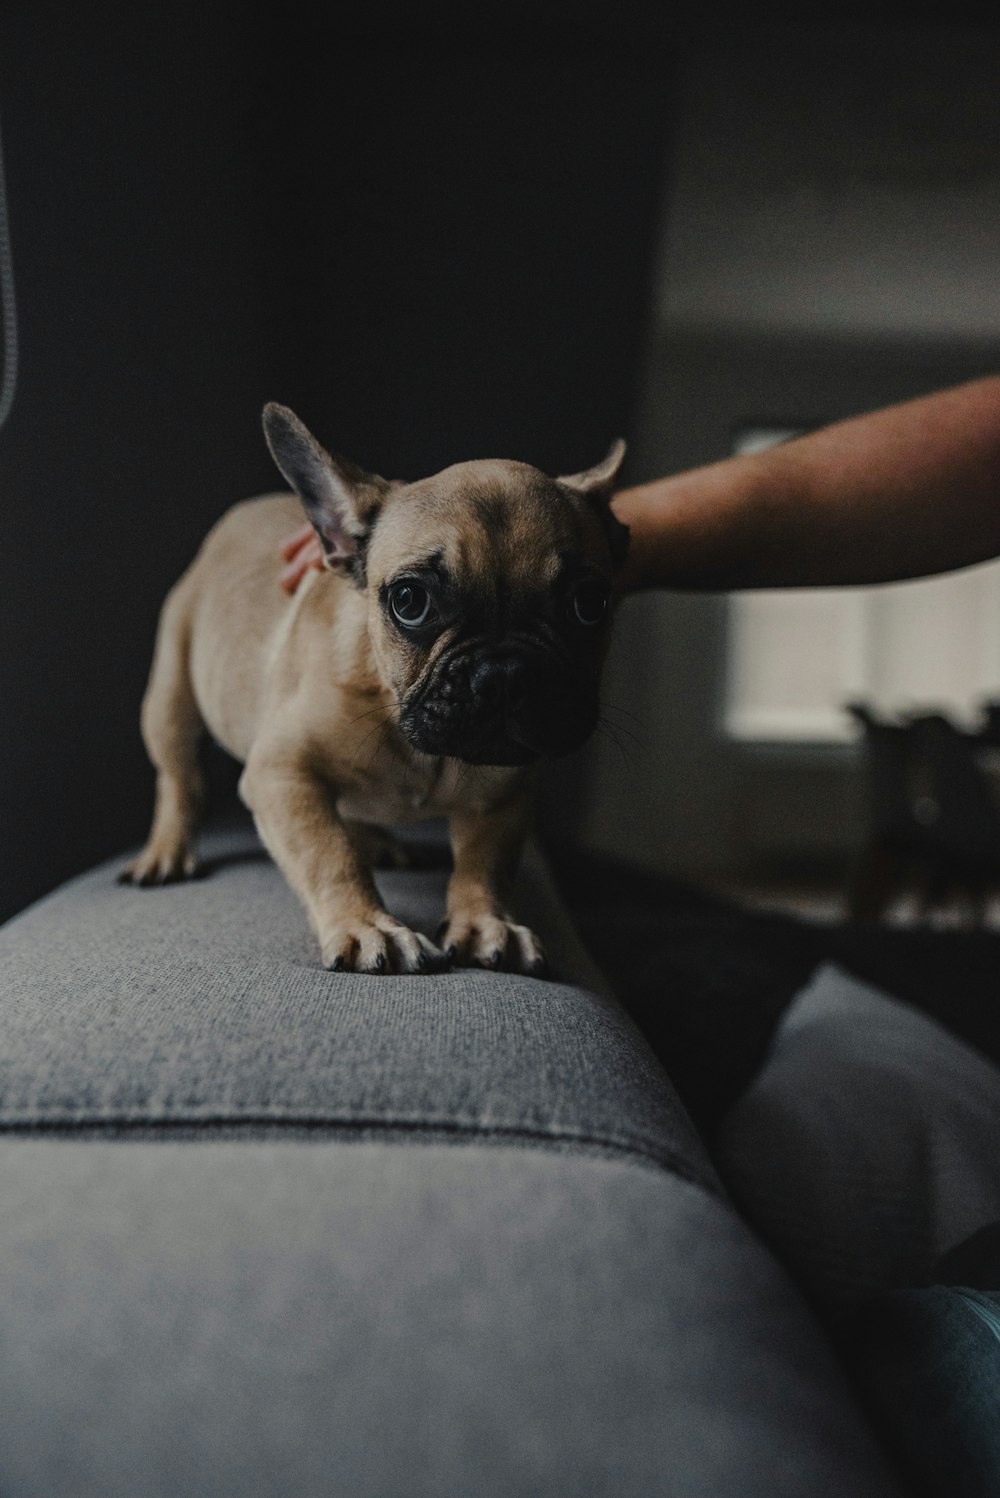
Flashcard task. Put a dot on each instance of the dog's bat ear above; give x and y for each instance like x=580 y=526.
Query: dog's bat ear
x=597 y=483
x=340 y=499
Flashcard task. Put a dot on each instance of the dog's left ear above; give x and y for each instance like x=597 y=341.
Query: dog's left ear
x=341 y=500
x=597 y=486
x=597 y=483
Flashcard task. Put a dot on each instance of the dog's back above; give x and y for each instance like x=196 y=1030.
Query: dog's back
x=228 y=616
x=234 y=612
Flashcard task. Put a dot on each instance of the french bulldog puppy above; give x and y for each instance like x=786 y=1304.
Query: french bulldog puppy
x=454 y=638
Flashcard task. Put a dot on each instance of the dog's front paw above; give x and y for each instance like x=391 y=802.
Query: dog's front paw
x=492 y=941
x=379 y=945
x=162 y=862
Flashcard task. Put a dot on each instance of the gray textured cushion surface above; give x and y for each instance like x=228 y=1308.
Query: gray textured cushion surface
x=395 y=1321
x=869 y=1143
x=206 y=1002
x=556 y=1301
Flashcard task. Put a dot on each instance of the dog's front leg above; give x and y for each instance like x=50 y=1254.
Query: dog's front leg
x=296 y=816
x=479 y=929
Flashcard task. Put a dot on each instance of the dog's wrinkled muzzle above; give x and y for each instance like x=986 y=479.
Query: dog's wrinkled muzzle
x=500 y=708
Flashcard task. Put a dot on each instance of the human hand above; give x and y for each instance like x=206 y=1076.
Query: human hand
x=301 y=551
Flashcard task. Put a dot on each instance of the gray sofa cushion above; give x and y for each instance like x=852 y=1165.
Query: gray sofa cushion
x=395 y=1321
x=431 y=1235
x=206 y=1003
x=869 y=1143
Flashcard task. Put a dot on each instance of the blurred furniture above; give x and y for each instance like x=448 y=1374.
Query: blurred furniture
x=865 y=1150
x=934 y=823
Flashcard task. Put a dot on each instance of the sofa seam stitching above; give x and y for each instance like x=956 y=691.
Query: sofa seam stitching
x=667 y=1160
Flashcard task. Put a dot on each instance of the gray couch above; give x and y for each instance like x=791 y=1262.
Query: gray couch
x=269 y=1230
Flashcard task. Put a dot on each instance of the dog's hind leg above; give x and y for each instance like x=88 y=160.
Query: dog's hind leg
x=171 y=729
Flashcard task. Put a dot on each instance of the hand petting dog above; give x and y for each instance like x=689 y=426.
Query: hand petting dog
x=300 y=551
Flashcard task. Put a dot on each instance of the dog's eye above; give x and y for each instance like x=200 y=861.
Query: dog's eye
x=411 y=604
x=590 y=603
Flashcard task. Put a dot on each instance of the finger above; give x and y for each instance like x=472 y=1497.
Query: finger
x=291 y=576
x=294 y=542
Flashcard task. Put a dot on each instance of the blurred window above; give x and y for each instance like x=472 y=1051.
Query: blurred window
x=795 y=656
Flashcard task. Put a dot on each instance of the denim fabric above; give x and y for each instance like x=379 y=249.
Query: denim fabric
x=243 y=1320
x=205 y=1003
x=928 y=1360
x=869 y=1143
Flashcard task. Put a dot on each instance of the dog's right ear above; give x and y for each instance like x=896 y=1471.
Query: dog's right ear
x=340 y=499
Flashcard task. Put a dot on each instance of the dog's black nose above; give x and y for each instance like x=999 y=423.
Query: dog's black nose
x=497 y=683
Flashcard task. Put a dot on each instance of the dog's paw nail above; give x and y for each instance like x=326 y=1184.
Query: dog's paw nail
x=451 y=952
x=495 y=958
x=379 y=964
x=538 y=967
x=336 y=966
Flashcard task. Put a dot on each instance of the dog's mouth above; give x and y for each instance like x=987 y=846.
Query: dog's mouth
x=499 y=710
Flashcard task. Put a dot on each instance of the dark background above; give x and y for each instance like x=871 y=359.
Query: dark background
x=432 y=230
x=433 y=241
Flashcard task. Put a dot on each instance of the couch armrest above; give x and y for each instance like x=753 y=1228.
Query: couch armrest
x=271 y=1229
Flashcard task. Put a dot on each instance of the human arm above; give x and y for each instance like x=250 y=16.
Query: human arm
x=906 y=491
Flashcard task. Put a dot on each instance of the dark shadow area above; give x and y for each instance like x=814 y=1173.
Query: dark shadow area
x=707 y=981
x=432 y=235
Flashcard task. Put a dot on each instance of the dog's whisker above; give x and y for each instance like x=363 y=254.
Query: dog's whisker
x=374 y=730
x=623 y=728
x=626 y=761
x=621 y=736
x=624 y=712
x=464 y=772
x=380 y=744
x=625 y=733
x=379 y=707
x=606 y=731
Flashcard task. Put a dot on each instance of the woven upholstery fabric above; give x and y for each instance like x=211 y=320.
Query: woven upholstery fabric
x=205 y=1003
x=268 y=1229
x=399 y=1321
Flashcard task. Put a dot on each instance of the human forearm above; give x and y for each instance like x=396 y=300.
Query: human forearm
x=906 y=491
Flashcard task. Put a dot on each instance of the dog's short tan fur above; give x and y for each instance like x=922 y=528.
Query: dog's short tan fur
x=307 y=690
